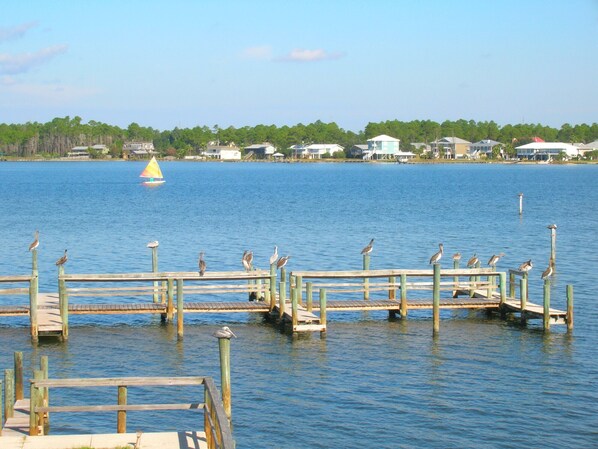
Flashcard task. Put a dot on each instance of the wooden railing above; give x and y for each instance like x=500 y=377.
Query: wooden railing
x=216 y=424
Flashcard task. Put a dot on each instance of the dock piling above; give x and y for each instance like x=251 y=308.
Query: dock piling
x=18 y=370
x=33 y=293
x=569 y=308
x=282 y=298
x=366 y=280
x=523 y=300
x=155 y=270
x=224 y=349
x=323 y=311
x=309 y=293
x=403 y=295
x=272 y=286
x=521 y=204
x=169 y=299
x=294 y=308
x=552 y=246
x=456 y=278
x=392 y=292
x=436 y=300
x=179 y=309
x=9 y=393
x=121 y=415
x=546 y=317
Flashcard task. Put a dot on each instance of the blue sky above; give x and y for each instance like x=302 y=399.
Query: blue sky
x=242 y=63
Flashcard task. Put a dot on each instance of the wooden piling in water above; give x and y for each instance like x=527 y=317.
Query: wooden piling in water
x=403 y=295
x=569 y=308
x=299 y=287
x=456 y=278
x=33 y=294
x=179 y=309
x=366 y=281
x=546 y=316
x=392 y=292
x=155 y=270
x=121 y=415
x=9 y=393
x=436 y=300
x=224 y=349
x=310 y=295
x=169 y=299
x=63 y=302
x=282 y=298
x=521 y=204
x=18 y=370
x=503 y=288
x=294 y=307
x=523 y=299
x=45 y=391
x=511 y=284
x=323 y=311
x=2 y=420
x=35 y=401
x=272 y=286
x=553 y=246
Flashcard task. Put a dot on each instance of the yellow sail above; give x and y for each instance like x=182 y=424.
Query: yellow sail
x=152 y=170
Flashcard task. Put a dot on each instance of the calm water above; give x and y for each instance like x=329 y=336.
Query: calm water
x=372 y=382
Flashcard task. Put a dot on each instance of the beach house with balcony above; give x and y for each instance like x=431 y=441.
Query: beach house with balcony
x=483 y=148
x=382 y=147
x=450 y=148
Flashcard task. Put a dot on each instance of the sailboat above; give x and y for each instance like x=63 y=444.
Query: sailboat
x=153 y=173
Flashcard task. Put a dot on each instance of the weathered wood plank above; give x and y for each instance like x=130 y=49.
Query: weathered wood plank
x=120 y=381
x=124 y=407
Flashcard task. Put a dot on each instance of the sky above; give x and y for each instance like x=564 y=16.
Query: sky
x=184 y=63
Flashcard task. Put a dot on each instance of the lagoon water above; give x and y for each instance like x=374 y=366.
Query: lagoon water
x=372 y=383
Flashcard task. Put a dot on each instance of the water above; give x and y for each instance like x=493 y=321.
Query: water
x=372 y=382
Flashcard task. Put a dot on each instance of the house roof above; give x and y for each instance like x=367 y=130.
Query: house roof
x=323 y=146
x=486 y=142
x=257 y=146
x=571 y=150
x=361 y=147
x=453 y=140
x=383 y=138
x=589 y=146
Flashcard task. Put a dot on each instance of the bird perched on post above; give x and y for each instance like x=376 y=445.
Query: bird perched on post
x=526 y=266
x=552 y=226
x=35 y=242
x=248 y=260
x=457 y=256
x=473 y=261
x=368 y=248
x=494 y=259
x=224 y=332
x=547 y=273
x=62 y=260
x=202 y=264
x=282 y=261
x=153 y=244
x=436 y=257
x=244 y=260
x=274 y=256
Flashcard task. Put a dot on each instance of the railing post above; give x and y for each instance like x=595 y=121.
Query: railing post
x=18 y=362
x=323 y=311
x=121 y=415
x=309 y=293
x=2 y=421
x=392 y=293
x=206 y=418
x=299 y=287
x=456 y=278
x=179 y=309
x=546 y=316
x=43 y=366
x=34 y=402
x=523 y=300
x=170 y=299
x=33 y=293
x=526 y=277
x=436 y=300
x=569 y=308
x=403 y=295
x=9 y=393
x=511 y=285
x=503 y=288
x=155 y=270
x=294 y=308
x=282 y=298
x=283 y=274
x=272 y=286
x=64 y=302
x=366 y=280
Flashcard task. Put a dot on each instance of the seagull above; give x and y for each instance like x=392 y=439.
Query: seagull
x=282 y=261
x=35 y=242
x=153 y=244
x=274 y=256
x=62 y=260
x=552 y=226
x=202 y=264
x=368 y=248
x=244 y=261
x=526 y=266
x=457 y=256
x=495 y=258
x=224 y=332
x=473 y=261
x=547 y=273
x=436 y=257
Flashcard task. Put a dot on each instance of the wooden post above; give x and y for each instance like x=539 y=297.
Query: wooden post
x=33 y=293
x=546 y=317
x=523 y=293
x=511 y=285
x=526 y=277
x=282 y=298
x=18 y=356
x=299 y=287
x=552 y=246
x=521 y=204
x=64 y=303
x=403 y=295
x=45 y=391
x=283 y=274
x=34 y=402
x=272 y=286
x=366 y=280
x=155 y=270
x=392 y=292
x=309 y=293
x=323 y=311
x=436 y=299
x=206 y=418
x=224 y=347
x=179 y=309
x=294 y=308
x=503 y=288
x=1 y=406
x=9 y=393
x=569 y=308
x=170 y=299
x=456 y=278
x=121 y=415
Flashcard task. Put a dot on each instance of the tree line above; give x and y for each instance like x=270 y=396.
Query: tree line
x=57 y=137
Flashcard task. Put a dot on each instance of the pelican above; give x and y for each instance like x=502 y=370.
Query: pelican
x=62 y=260
x=244 y=261
x=282 y=261
x=473 y=261
x=153 y=244
x=249 y=259
x=35 y=242
x=202 y=264
x=547 y=273
x=274 y=257
x=368 y=248
x=457 y=256
x=526 y=266
x=224 y=332
x=495 y=258
x=436 y=257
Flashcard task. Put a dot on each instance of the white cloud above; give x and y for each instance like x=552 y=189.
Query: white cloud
x=49 y=94
x=303 y=55
x=263 y=52
x=16 y=31
x=23 y=62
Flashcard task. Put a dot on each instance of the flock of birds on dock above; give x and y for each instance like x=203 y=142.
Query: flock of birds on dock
x=247 y=258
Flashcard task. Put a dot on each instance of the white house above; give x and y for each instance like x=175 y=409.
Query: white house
x=138 y=149
x=382 y=147
x=222 y=152
x=261 y=150
x=100 y=148
x=546 y=150
x=315 y=150
x=78 y=153
x=483 y=147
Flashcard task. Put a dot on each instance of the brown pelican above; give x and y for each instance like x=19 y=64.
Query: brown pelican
x=153 y=244
x=494 y=259
x=274 y=257
x=202 y=264
x=224 y=332
x=35 y=242
x=457 y=256
x=244 y=261
x=473 y=261
x=368 y=248
x=62 y=260
x=436 y=257
x=526 y=266
x=249 y=259
x=282 y=261
x=548 y=272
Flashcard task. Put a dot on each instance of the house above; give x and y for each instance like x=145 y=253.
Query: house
x=357 y=151
x=78 y=153
x=261 y=150
x=102 y=149
x=450 y=148
x=299 y=151
x=315 y=150
x=138 y=150
x=382 y=147
x=223 y=152
x=587 y=148
x=404 y=156
x=423 y=146
x=545 y=151
x=483 y=148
